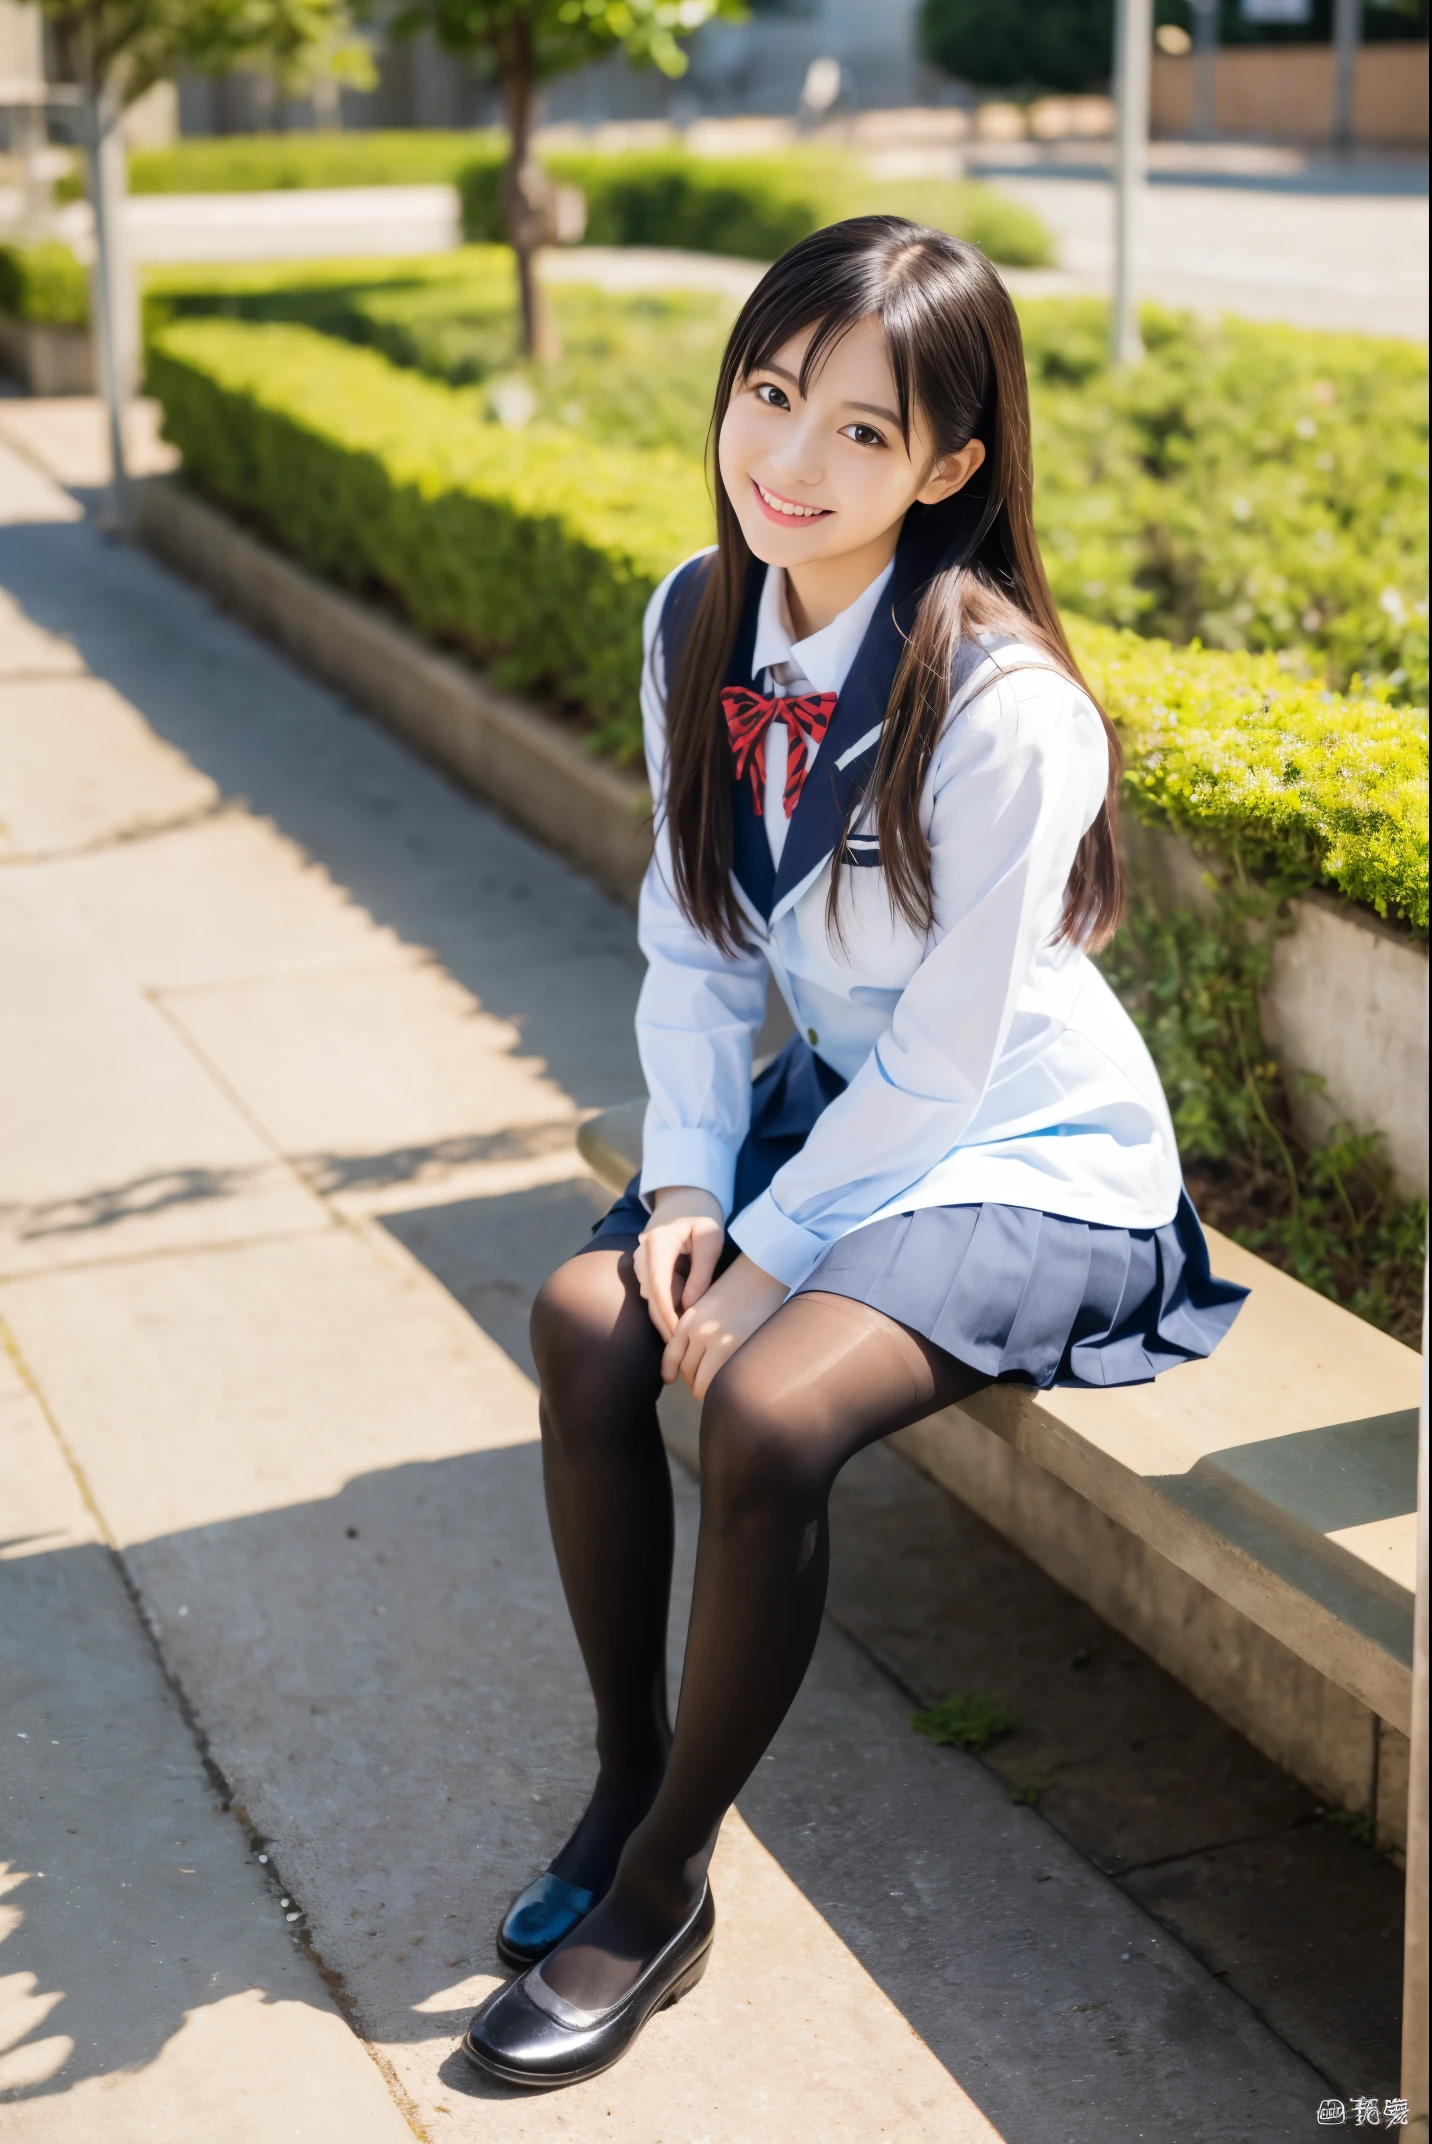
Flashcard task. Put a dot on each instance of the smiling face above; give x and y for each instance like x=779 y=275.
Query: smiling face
x=822 y=482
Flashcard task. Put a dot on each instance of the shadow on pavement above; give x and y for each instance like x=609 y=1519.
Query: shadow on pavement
x=531 y=939
x=391 y=1688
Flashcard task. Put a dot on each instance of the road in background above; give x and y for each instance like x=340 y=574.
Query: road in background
x=1270 y=235
x=1354 y=259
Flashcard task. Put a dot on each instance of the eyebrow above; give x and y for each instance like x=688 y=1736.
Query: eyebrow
x=876 y=409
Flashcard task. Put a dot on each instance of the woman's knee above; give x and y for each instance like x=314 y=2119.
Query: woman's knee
x=561 y=1324
x=754 y=1457
x=587 y=1331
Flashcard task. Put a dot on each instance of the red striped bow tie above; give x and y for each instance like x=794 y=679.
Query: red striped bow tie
x=748 y=717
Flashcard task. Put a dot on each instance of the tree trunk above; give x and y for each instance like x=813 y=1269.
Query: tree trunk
x=527 y=199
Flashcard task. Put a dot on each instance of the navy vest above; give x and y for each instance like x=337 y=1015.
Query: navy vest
x=830 y=785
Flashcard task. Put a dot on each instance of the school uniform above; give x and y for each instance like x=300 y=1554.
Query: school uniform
x=967 y=1131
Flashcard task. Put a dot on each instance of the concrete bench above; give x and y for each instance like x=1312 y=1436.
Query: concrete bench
x=1250 y=1521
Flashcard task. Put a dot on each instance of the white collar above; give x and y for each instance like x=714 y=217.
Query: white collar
x=824 y=658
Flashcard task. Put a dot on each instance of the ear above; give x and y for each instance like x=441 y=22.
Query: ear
x=951 y=473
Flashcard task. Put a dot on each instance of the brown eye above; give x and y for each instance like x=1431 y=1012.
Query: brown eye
x=774 y=397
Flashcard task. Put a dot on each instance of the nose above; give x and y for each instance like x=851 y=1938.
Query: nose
x=799 y=458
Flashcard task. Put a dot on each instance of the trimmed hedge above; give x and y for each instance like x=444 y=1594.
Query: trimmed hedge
x=753 y=207
x=537 y=549
x=260 y=163
x=635 y=368
x=43 y=285
x=750 y=206
x=1300 y=785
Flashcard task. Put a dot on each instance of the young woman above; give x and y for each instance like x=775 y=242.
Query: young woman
x=878 y=776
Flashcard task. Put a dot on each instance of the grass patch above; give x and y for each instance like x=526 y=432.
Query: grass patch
x=965 y=1720
x=1359 y=1828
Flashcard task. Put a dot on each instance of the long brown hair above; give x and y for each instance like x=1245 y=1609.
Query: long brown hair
x=957 y=357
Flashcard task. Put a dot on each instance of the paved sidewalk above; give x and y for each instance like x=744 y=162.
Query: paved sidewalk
x=297 y=1041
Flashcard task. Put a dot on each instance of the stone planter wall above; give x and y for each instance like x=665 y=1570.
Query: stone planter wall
x=1348 y=1002
x=49 y=361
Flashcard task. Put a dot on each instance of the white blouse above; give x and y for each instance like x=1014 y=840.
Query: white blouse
x=984 y=1062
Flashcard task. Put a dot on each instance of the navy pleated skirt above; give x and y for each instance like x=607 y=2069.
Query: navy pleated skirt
x=1025 y=1297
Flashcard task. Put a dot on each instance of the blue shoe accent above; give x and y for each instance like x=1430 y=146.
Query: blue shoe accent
x=538 y=1919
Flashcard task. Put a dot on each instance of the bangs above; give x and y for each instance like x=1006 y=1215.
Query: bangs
x=923 y=287
x=831 y=324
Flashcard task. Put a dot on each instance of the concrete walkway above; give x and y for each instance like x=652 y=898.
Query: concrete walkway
x=297 y=1038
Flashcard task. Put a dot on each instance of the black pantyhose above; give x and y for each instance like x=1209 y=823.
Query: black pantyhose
x=608 y=1489
x=822 y=1379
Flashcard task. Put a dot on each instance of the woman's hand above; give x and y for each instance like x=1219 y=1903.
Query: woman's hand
x=678 y=1253
x=709 y=1332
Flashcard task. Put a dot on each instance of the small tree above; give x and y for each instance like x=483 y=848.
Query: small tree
x=117 y=49
x=113 y=51
x=523 y=43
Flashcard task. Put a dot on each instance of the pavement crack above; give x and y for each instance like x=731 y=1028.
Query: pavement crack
x=126 y=836
x=1213 y=1846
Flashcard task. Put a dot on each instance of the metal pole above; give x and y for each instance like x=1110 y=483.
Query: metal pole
x=98 y=120
x=1133 y=42
x=1205 y=69
x=1347 y=36
x=32 y=140
x=1414 y=1977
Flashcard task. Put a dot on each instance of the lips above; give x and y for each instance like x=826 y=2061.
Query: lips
x=788 y=512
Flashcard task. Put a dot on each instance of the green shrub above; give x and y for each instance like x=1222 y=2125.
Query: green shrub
x=752 y=207
x=636 y=368
x=536 y=550
x=1021 y=44
x=43 y=285
x=1327 y=1212
x=259 y=163
x=1248 y=485
x=1295 y=783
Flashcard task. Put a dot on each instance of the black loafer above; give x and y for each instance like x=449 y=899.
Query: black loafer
x=539 y=1917
x=529 y=2035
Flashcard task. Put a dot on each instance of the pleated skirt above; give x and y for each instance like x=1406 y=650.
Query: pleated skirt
x=1022 y=1296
